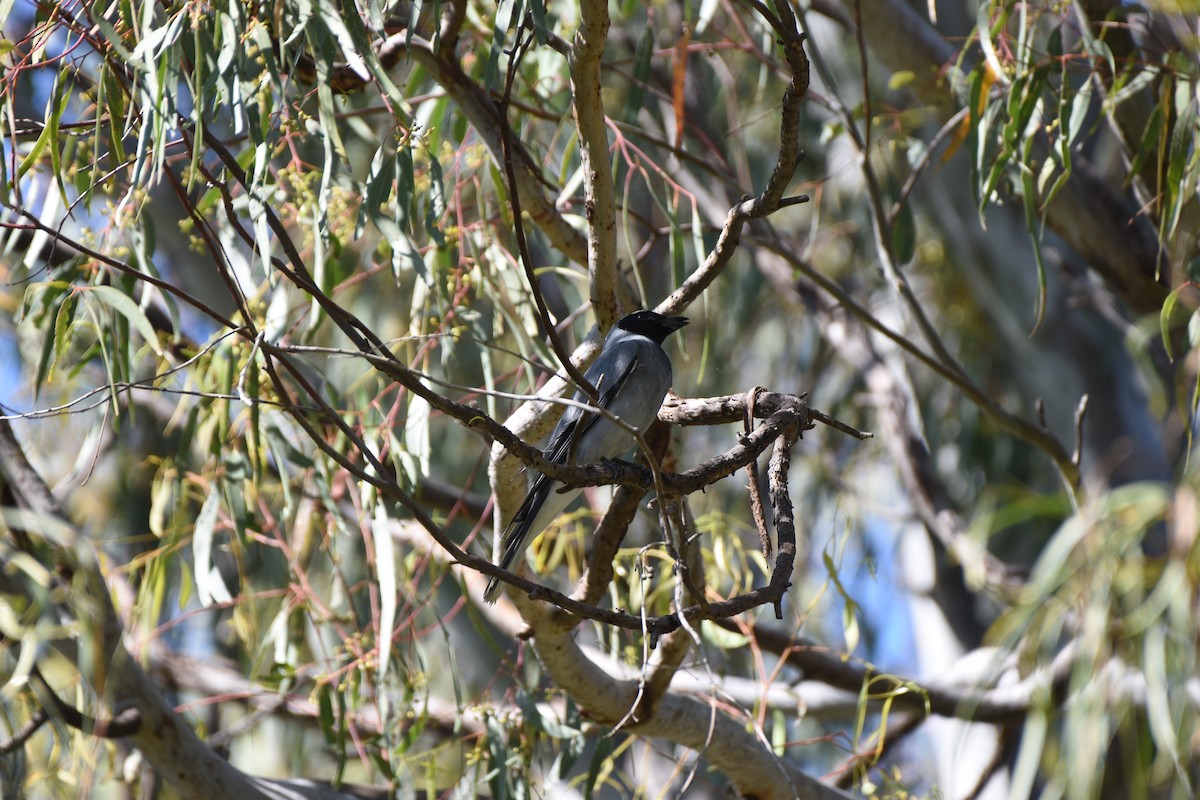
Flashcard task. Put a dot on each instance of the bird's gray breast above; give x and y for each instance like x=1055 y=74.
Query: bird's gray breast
x=637 y=402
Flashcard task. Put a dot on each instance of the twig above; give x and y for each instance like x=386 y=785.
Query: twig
x=1080 y=412
x=126 y=723
x=756 y=503
x=858 y=763
x=924 y=161
x=36 y=720
x=840 y=426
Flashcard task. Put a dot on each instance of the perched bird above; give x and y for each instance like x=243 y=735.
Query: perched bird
x=631 y=375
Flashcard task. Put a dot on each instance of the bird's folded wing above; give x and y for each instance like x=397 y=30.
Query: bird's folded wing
x=576 y=422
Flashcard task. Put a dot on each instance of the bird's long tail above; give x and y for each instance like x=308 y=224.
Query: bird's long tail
x=539 y=508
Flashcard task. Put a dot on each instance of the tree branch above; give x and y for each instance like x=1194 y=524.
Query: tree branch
x=600 y=204
x=724 y=741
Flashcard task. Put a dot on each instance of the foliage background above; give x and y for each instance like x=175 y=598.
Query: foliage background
x=211 y=210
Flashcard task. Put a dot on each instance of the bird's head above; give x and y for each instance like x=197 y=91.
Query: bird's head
x=651 y=324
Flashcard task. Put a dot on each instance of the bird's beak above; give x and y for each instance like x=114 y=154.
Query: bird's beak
x=675 y=323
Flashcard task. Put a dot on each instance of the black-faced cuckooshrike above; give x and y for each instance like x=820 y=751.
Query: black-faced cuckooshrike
x=632 y=375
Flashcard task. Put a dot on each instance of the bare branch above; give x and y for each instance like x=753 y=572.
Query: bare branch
x=19 y=737
x=756 y=503
x=785 y=524
x=124 y=724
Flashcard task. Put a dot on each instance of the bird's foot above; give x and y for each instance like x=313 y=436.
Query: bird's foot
x=616 y=463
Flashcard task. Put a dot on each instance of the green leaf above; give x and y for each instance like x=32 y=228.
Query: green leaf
x=604 y=749
x=901 y=78
x=62 y=331
x=207 y=578
x=492 y=78
x=1054 y=42
x=385 y=569
x=1182 y=150
x=537 y=9
x=1081 y=104
x=381 y=181
x=722 y=638
x=34 y=154
x=641 y=74
x=1164 y=321
x=52 y=339
x=123 y=304
x=436 y=208
x=54 y=113
x=416 y=435
x=282 y=448
x=1147 y=147
x=1029 y=199
x=778 y=733
x=904 y=235
x=698 y=246
x=325 y=712
x=47 y=526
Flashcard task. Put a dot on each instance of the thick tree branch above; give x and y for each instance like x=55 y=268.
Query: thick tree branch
x=975 y=689
x=722 y=740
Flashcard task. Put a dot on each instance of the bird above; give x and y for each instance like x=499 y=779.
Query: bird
x=631 y=376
